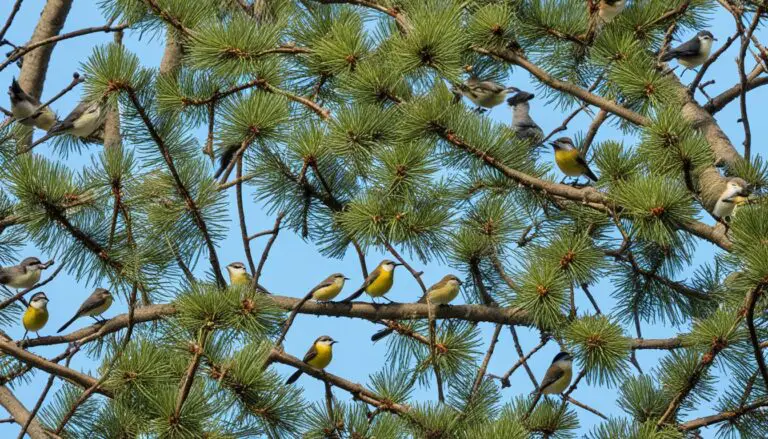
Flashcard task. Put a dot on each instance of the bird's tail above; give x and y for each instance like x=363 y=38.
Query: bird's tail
x=381 y=334
x=57 y=128
x=226 y=157
x=15 y=89
x=354 y=295
x=292 y=379
x=669 y=55
x=591 y=175
x=68 y=323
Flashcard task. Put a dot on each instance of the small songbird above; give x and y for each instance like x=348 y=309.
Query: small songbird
x=23 y=107
x=378 y=283
x=36 y=315
x=329 y=288
x=83 y=121
x=237 y=274
x=569 y=159
x=484 y=94
x=693 y=52
x=441 y=293
x=318 y=356
x=524 y=126
x=609 y=9
x=727 y=202
x=557 y=378
x=226 y=157
x=96 y=304
x=22 y=276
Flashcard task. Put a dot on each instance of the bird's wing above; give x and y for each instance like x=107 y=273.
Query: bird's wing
x=7 y=273
x=553 y=374
x=371 y=277
x=429 y=290
x=68 y=121
x=689 y=48
x=326 y=283
x=588 y=172
x=311 y=353
x=92 y=302
x=487 y=86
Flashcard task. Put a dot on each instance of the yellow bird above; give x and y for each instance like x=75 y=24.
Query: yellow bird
x=237 y=274
x=318 y=356
x=329 y=288
x=96 y=304
x=378 y=283
x=570 y=161
x=441 y=293
x=36 y=315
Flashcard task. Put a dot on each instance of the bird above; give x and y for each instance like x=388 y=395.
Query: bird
x=22 y=276
x=237 y=274
x=318 y=356
x=226 y=157
x=23 y=108
x=609 y=9
x=329 y=288
x=96 y=304
x=441 y=293
x=83 y=121
x=525 y=128
x=693 y=52
x=726 y=203
x=484 y=94
x=556 y=379
x=570 y=161
x=36 y=315
x=378 y=283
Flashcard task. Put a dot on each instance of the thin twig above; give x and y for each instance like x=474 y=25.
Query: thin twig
x=9 y=21
x=585 y=288
x=241 y=217
x=752 y=299
x=487 y=359
x=265 y=253
x=43 y=395
x=523 y=359
x=416 y=274
x=76 y=79
x=361 y=257
x=292 y=316
x=712 y=58
x=186 y=383
x=505 y=378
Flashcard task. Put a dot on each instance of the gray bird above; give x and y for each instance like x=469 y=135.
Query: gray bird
x=484 y=94
x=22 y=276
x=23 y=107
x=96 y=304
x=227 y=154
x=524 y=126
x=83 y=121
x=693 y=52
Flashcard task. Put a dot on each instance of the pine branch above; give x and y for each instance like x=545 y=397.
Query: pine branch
x=20 y=414
x=712 y=58
x=267 y=248
x=504 y=379
x=727 y=416
x=745 y=40
x=46 y=389
x=484 y=365
x=189 y=376
x=241 y=218
x=751 y=301
x=9 y=20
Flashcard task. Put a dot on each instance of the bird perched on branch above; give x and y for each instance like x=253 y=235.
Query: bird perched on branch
x=524 y=126
x=237 y=274
x=83 y=121
x=36 y=315
x=25 y=108
x=726 y=203
x=318 y=356
x=329 y=288
x=25 y=275
x=693 y=52
x=378 y=283
x=96 y=304
x=570 y=161
x=484 y=94
x=609 y=9
x=441 y=293
x=556 y=379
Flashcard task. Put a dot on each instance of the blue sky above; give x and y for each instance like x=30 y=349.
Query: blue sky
x=355 y=357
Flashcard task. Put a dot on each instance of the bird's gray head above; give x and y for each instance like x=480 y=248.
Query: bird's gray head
x=452 y=278
x=737 y=186
x=388 y=265
x=102 y=292
x=39 y=300
x=705 y=35
x=519 y=98
x=562 y=357
x=236 y=267
x=337 y=276
x=563 y=143
x=31 y=263
x=325 y=340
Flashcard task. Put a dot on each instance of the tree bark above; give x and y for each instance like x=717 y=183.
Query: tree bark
x=20 y=414
x=112 y=122
x=174 y=51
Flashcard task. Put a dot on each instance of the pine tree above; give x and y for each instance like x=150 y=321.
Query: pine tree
x=341 y=119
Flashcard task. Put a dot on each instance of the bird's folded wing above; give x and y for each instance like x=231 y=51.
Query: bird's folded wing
x=487 y=86
x=553 y=374
x=689 y=48
x=311 y=353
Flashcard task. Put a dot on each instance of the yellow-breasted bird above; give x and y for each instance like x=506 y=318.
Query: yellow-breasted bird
x=569 y=159
x=329 y=288
x=96 y=304
x=441 y=293
x=557 y=378
x=318 y=356
x=23 y=276
x=237 y=274
x=36 y=315
x=378 y=283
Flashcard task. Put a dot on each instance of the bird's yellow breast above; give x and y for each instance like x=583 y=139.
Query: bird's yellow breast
x=381 y=284
x=566 y=161
x=34 y=319
x=100 y=309
x=240 y=279
x=323 y=357
x=561 y=384
x=327 y=293
x=444 y=294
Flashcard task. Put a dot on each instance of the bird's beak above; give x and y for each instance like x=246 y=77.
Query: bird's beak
x=346 y=278
x=513 y=89
x=714 y=39
x=396 y=264
x=334 y=341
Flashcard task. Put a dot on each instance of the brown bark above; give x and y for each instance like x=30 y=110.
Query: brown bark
x=20 y=414
x=112 y=122
x=173 y=53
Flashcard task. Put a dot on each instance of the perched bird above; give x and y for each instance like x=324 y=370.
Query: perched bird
x=237 y=274
x=318 y=356
x=441 y=293
x=693 y=52
x=570 y=161
x=36 y=315
x=727 y=202
x=23 y=107
x=83 y=121
x=378 y=283
x=525 y=128
x=226 y=157
x=22 y=276
x=329 y=288
x=609 y=9
x=557 y=378
x=484 y=94
x=96 y=304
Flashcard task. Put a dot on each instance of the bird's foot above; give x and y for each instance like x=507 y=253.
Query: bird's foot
x=480 y=110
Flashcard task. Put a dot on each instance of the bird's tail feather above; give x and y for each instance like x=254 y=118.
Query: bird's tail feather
x=591 y=175
x=354 y=295
x=381 y=334
x=292 y=379
x=68 y=323
x=15 y=88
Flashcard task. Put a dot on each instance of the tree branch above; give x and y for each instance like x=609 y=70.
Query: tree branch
x=20 y=414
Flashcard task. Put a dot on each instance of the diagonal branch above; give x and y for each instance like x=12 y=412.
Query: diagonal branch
x=20 y=414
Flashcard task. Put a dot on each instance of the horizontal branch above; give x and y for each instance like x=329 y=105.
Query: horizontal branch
x=722 y=417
